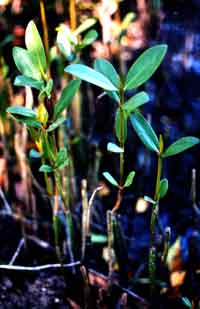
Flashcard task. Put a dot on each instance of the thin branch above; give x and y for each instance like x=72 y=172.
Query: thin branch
x=40 y=267
x=14 y=257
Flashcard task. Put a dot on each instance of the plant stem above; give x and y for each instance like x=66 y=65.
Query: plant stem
x=45 y=28
x=154 y=216
x=121 y=158
x=72 y=14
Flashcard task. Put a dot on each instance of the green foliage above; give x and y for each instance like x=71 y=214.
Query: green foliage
x=35 y=46
x=129 y=179
x=56 y=124
x=149 y=199
x=106 y=68
x=34 y=154
x=186 y=302
x=21 y=111
x=110 y=178
x=88 y=23
x=87 y=74
x=136 y=101
x=26 y=63
x=89 y=38
x=45 y=168
x=181 y=145
x=66 y=97
x=145 y=132
x=62 y=159
x=22 y=80
x=114 y=148
x=145 y=66
x=163 y=188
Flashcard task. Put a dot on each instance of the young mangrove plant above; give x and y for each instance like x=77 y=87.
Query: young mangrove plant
x=106 y=77
x=43 y=120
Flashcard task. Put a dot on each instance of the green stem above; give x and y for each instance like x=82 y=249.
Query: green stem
x=121 y=134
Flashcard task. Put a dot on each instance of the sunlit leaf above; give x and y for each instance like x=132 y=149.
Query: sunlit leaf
x=21 y=111
x=110 y=178
x=22 y=80
x=45 y=168
x=145 y=66
x=181 y=145
x=163 y=188
x=186 y=302
x=136 y=101
x=145 y=132
x=34 y=154
x=66 y=97
x=127 y=20
x=88 y=23
x=149 y=199
x=99 y=238
x=25 y=63
x=118 y=117
x=56 y=124
x=104 y=67
x=62 y=159
x=89 y=38
x=113 y=95
x=35 y=46
x=129 y=179
x=114 y=148
x=87 y=74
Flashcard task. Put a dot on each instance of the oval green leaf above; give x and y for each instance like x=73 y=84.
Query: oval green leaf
x=136 y=101
x=129 y=179
x=145 y=66
x=145 y=132
x=181 y=145
x=62 y=159
x=66 y=97
x=163 y=188
x=45 y=168
x=106 y=68
x=25 y=63
x=114 y=148
x=110 y=178
x=89 y=75
x=89 y=38
x=22 y=80
x=88 y=23
x=56 y=124
x=35 y=46
x=21 y=111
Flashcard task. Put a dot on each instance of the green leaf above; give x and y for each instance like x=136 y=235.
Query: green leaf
x=145 y=132
x=21 y=111
x=98 y=238
x=149 y=199
x=106 y=68
x=66 y=97
x=88 y=23
x=62 y=159
x=127 y=20
x=129 y=179
x=136 y=101
x=124 y=125
x=22 y=80
x=34 y=154
x=89 y=38
x=110 y=178
x=145 y=66
x=25 y=63
x=186 y=302
x=35 y=46
x=29 y=122
x=56 y=124
x=49 y=87
x=114 y=148
x=181 y=145
x=87 y=74
x=163 y=188
x=45 y=168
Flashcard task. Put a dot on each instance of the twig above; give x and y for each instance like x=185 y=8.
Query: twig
x=6 y=205
x=21 y=243
x=40 y=267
